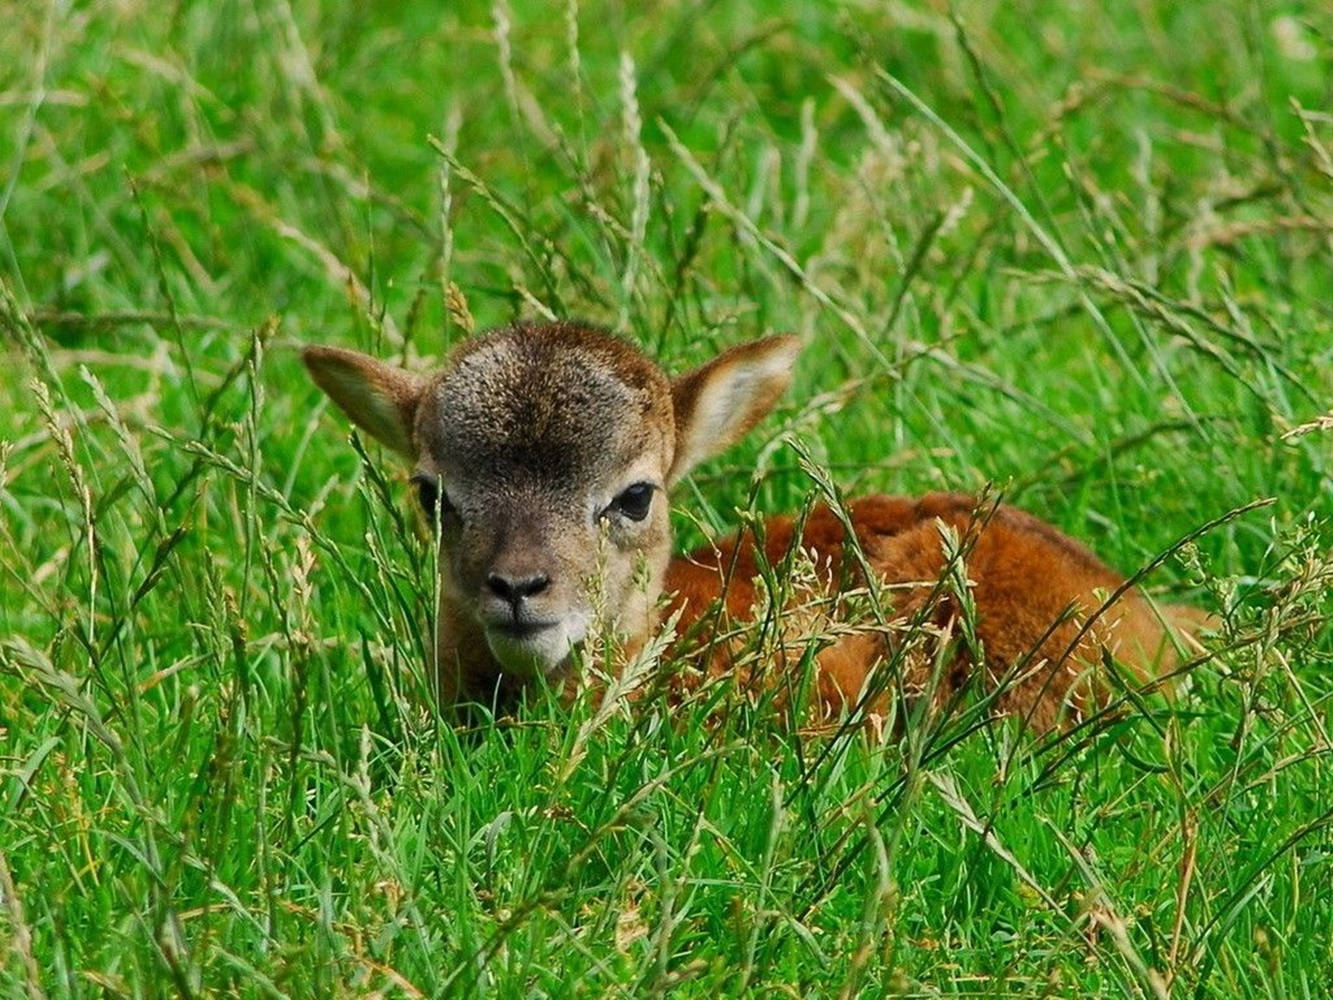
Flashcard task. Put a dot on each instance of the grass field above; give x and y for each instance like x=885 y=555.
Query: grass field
x=1082 y=255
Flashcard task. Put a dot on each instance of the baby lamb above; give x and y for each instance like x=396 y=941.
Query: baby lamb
x=544 y=453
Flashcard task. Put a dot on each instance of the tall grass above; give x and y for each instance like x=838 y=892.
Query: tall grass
x=1075 y=255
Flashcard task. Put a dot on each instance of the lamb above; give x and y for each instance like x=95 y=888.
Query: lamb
x=544 y=453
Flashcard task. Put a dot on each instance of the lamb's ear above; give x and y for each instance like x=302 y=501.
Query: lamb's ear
x=381 y=399
x=717 y=404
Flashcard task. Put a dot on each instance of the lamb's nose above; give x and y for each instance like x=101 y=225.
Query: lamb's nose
x=514 y=589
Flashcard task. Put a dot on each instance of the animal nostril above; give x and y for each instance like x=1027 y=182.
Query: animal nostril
x=532 y=586
x=514 y=590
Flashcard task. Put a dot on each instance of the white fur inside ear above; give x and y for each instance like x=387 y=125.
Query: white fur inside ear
x=373 y=408
x=730 y=396
x=379 y=398
x=724 y=400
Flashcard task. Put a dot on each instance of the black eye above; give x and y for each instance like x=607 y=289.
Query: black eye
x=634 y=501
x=437 y=510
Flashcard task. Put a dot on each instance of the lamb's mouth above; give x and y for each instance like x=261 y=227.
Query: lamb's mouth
x=528 y=648
x=520 y=631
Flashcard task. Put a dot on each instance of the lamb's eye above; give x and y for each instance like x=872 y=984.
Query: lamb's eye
x=436 y=508
x=634 y=502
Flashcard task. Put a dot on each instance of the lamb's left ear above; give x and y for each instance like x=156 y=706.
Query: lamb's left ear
x=715 y=405
x=381 y=399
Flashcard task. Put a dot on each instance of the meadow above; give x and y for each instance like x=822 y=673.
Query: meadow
x=1077 y=255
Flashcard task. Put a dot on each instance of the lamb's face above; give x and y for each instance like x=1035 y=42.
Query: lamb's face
x=544 y=461
x=543 y=452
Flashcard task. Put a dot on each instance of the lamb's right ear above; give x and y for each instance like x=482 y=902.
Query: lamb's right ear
x=381 y=399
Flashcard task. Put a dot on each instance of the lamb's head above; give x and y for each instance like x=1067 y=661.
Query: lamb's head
x=543 y=454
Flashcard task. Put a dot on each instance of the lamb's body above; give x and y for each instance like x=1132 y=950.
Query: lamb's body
x=1033 y=591
x=541 y=452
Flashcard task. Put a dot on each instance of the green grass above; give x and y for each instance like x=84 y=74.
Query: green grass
x=1082 y=254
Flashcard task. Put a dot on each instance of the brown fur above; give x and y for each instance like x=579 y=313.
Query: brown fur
x=1024 y=578
x=535 y=433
